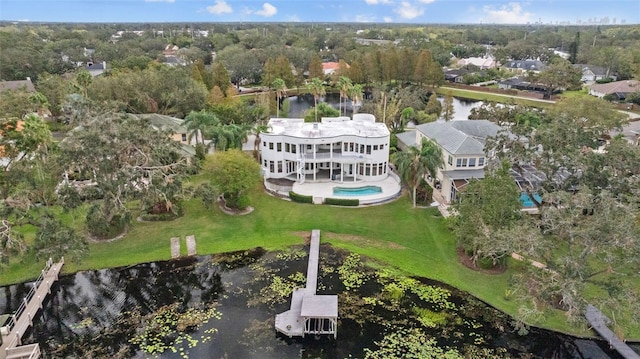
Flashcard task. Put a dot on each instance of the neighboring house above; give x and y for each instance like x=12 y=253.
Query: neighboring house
x=174 y=61
x=176 y=126
x=170 y=50
x=522 y=66
x=516 y=83
x=593 y=73
x=17 y=85
x=462 y=144
x=619 y=89
x=338 y=148
x=97 y=68
x=455 y=75
x=482 y=63
x=330 y=67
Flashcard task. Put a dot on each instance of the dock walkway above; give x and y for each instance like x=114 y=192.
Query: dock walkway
x=310 y=313
x=599 y=321
x=22 y=319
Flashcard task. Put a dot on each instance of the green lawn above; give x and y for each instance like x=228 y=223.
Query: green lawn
x=491 y=97
x=416 y=241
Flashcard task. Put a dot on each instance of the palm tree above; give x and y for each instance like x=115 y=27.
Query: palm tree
x=355 y=93
x=413 y=163
x=344 y=84
x=280 y=86
x=201 y=122
x=316 y=87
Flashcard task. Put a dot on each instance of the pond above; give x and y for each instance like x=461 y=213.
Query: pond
x=224 y=306
x=300 y=104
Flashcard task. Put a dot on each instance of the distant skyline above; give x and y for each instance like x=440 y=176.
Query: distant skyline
x=574 y=12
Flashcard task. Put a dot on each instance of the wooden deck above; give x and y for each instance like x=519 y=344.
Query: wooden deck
x=598 y=322
x=22 y=319
x=306 y=305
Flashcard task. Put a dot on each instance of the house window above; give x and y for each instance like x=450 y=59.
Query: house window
x=450 y=160
x=293 y=148
x=279 y=166
x=270 y=145
x=271 y=167
x=374 y=170
x=367 y=170
x=375 y=147
x=481 y=162
x=264 y=144
x=461 y=162
x=472 y=162
x=361 y=148
x=308 y=147
x=351 y=146
x=184 y=137
x=287 y=147
x=279 y=147
x=368 y=149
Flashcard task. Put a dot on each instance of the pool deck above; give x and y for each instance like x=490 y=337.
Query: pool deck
x=324 y=189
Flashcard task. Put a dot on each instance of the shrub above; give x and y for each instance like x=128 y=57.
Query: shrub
x=300 y=198
x=342 y=201
x=98 y=226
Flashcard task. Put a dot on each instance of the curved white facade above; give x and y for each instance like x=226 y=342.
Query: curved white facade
x=338 y=148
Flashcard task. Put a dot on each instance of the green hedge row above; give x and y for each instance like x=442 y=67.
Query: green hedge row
x=300 y=198
x=342 y=201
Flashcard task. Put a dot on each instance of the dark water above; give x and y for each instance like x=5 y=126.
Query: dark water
x=228 y=303
x=300 y=104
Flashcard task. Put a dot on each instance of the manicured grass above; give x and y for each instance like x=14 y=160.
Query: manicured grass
x=416 y=241
x=492 y=97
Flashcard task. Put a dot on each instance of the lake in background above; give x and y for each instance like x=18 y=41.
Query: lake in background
x=300 y=104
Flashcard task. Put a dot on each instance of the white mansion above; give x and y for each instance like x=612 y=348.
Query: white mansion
x=337 y=148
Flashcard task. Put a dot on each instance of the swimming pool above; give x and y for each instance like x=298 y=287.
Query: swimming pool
x=526 y=200
x=356 y=191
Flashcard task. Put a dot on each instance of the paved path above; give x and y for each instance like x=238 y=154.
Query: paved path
x=23 y=318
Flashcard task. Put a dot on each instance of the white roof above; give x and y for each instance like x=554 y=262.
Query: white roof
x=363 y=126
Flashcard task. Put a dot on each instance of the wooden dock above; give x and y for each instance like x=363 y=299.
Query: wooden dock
x=310 y=313
x=598 y=322
x=22 y=319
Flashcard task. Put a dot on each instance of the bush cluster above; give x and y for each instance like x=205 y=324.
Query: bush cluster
x=342 y=201
x=300 y=198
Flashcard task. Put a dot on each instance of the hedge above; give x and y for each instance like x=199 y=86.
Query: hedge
x=300 y=198
x=342 y=201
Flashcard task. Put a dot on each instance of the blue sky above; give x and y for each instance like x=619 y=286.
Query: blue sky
x=377 y=11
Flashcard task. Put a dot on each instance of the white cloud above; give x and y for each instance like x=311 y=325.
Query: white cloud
x=387 y=19
x=426 y=1
x=376 y=2
x=293 y=18
x=407 y=10
x=512 y=13
x=221 y=7
x=268 y=10
x=159 y=0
